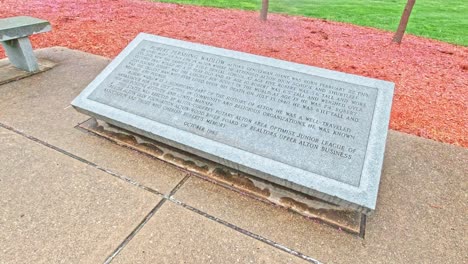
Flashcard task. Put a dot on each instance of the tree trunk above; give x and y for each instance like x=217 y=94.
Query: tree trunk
x=264 y=11
x=404 y=21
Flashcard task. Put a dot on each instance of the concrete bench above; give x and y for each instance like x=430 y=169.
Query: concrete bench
x=14 y=33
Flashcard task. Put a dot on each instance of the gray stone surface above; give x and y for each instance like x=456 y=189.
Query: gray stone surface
x=14 y=33
x=22 y=26
x=313 y=130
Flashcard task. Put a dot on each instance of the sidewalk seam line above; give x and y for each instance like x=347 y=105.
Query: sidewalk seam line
x=178 y=186
x=134 y=231
x=245 y=232
x=145 y=220
x=87 y=162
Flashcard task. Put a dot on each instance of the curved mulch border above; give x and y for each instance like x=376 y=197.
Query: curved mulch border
x=431 y=77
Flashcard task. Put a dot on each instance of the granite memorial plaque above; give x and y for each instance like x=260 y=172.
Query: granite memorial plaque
x=313 y=130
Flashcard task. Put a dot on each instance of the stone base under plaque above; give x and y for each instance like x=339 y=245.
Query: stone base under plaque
x=347 y=220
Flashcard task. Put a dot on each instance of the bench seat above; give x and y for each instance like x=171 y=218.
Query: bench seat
x=22 y=26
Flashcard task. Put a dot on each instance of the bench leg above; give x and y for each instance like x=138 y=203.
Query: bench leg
x=20 y=54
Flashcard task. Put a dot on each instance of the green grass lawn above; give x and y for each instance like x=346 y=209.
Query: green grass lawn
x=443 y=20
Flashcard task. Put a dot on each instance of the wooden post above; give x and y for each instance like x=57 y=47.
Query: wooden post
x=404 y=21
x=264 y=11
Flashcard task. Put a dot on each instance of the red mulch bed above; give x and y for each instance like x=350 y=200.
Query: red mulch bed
x=431 y=77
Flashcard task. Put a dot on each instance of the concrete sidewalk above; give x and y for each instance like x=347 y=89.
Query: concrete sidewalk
x=67 y=196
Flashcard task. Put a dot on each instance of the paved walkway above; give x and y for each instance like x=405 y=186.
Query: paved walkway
x=67 y=196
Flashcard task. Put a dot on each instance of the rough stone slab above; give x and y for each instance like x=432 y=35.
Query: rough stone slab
x=9 y=73
x=22 y=26
x=315 y=131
